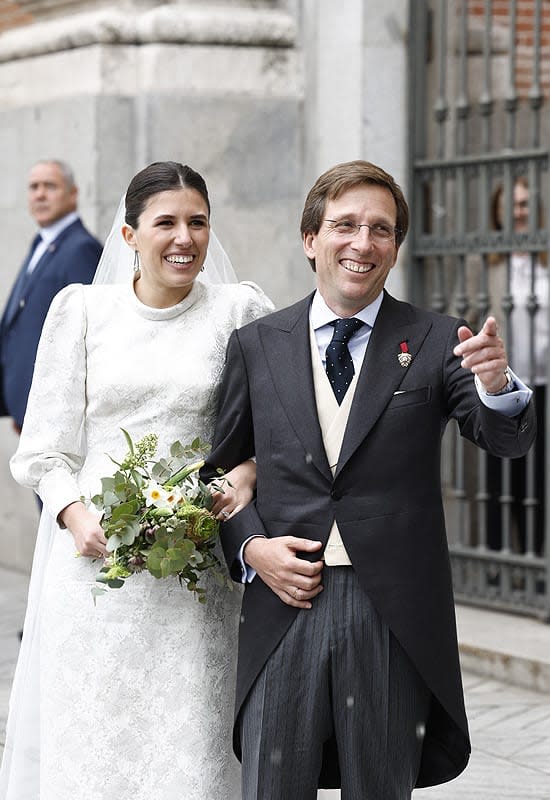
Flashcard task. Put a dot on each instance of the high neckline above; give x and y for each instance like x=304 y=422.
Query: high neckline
x=159 y=314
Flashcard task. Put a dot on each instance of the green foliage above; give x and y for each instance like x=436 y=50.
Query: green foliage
x=156 y=517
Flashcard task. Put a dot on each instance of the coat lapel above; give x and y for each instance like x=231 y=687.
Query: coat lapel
x=288 y=357
x=381 y=373
x=285 y=342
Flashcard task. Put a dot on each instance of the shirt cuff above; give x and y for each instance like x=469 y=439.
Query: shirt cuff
x=511 y=403
x=247 y=573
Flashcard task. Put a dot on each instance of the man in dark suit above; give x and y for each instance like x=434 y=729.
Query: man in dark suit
x=63 y=252
x=348 y=668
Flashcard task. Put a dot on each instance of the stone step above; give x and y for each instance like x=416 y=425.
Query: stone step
x=505 y=647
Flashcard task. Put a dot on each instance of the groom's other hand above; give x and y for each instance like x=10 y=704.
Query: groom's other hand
x=294 y=580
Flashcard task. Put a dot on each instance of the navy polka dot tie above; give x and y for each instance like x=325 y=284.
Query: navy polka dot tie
x=339 y=364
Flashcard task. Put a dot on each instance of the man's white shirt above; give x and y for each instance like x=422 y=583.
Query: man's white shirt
x=49 y=235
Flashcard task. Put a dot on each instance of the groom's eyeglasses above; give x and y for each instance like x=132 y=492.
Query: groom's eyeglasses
x=379 y=232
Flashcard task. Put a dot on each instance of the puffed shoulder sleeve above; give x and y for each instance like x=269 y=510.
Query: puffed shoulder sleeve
x=51 y=447
x=255 y=303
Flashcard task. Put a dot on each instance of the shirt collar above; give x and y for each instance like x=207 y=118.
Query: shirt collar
x=51 y=232
x=320 y=314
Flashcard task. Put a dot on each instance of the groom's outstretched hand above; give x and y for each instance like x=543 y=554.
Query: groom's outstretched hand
x=484 y=354
x=294 y=580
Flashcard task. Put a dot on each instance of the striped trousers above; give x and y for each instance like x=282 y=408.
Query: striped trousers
x=338 y=672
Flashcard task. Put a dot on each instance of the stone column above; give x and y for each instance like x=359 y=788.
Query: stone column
x=355 y=97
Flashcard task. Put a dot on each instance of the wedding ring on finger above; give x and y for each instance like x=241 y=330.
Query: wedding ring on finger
x=224 y=514
x=295 y=593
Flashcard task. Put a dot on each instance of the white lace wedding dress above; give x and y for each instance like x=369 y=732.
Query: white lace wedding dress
x=136 y=692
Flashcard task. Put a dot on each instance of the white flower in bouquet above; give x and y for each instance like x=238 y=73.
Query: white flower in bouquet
x=174 y=497
x=155 y=495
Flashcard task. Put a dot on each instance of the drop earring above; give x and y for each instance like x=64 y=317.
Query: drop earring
x=137 y=265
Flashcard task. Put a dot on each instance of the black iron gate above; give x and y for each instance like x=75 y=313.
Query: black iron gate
x=479 y=159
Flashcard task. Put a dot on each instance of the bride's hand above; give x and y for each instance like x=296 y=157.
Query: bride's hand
x=237 y=490
x=87 y=532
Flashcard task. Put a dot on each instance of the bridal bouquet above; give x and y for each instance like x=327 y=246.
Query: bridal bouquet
x=156 y=517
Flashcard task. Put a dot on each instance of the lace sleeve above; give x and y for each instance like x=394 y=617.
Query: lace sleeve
x=51 y=447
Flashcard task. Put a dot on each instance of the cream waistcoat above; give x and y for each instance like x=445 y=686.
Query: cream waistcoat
x=333 y=420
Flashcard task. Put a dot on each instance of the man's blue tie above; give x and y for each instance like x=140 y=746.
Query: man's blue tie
x=34 y=244
x=339 y=364
x=16 y=296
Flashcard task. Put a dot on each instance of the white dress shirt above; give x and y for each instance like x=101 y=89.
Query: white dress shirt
x=49 y=234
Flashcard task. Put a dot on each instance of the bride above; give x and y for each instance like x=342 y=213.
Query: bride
x=135 y=694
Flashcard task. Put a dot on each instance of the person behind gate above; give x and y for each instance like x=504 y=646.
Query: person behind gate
x=348 y=670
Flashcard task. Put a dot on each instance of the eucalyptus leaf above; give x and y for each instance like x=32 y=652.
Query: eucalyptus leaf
x=176 y=559
x=161 y=538
x=116 y=528
x=153 y=569
x=155 y=557
x=161 y=471
x=177 y=450
x=121 y=486
x=125 y=509
x=130 y=533
x=113 y=542
x=165 y=568
x=107 y=484
x=110 y=498
x=187 y=547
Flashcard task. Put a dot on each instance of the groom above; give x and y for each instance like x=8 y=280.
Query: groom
x=348 y=662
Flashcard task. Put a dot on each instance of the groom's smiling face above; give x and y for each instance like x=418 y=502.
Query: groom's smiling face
x=351 y=266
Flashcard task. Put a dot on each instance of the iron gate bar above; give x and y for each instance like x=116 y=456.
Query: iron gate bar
x=501 y=159
x=457 y=154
